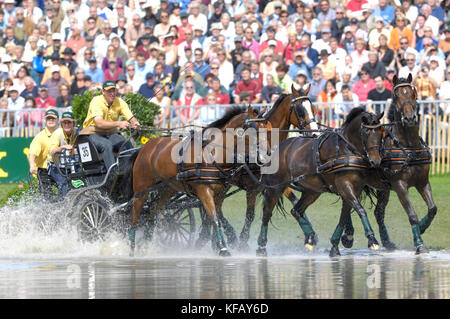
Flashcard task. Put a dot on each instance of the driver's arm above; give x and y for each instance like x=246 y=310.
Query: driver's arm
x=103 y=124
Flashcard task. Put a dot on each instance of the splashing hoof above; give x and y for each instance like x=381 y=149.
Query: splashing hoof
x=373 y=243
x=390 y=246
x=224 y=253
x=261 y=252
x=311 y=241
x=421 y=249
x=334 y=252
x=309 y=247
x=347 y=241
x=244 y=247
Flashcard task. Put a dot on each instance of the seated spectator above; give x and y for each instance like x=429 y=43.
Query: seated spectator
x=255 y=72
x=226 y=72
x=353 y=9
x=379 y=93
x=324 y=42
x=271 y=88
x=410 y=67
x=210 y=111
x=300 y=64
x=327 y=66
x=164 y=102
x=311 y=57
x=360 y=55
x=325 y=97
x=267 y=64
x=200 y=66
x=192 y=100
x=78 y=86
x=384 y=10
x=44 y=100
x=95 y=72
x=426 y=86
x=364 y=85
x=312 y=24
x=301 y=79
x=147 y=89
x=400 y=31
x=30 y=88
x=389 y=81
x=249 y=43
x=444 y=42
x=141 y=67
x=54 y=82
x=385 y=54
x=16 y=103
x=247 y=84
x=221 y=94
x=279 y=47
x=374 y=66
x=317 y=84
x=113 y=71
x=345 y=101
x=436 y=72
x=282 y=78
x=69 y=62
x=346 y=79
x=64 y=71
x=246 y=62
x=292 y=46
x=65 y=98
x=348 y=40
x=379 y=30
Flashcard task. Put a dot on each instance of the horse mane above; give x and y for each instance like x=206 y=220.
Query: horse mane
x=275 y=105
x=353 y=114
x=235 y=110
x=393 y=110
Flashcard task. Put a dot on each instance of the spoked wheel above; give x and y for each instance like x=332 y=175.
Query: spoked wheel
x=176 y=228
x=94 y=222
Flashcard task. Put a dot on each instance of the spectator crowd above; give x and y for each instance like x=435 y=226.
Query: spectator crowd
x=200 y=53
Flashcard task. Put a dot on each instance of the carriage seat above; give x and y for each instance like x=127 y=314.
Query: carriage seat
x=91 y=160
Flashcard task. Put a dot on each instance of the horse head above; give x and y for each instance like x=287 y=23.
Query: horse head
x=404 y=101
x=301 y=111
x=372 y=134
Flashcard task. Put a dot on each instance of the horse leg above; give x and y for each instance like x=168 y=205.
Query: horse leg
x=229 y=231
x=351 y=194
x=343 y=220
x=311 y=238
x=382 y=201
x=298 y=212
x=205 y=230
x=135 y=213
x=402 y=192
x=249 y=217
x=425 y=192
x=270 y=200
x=206 y=195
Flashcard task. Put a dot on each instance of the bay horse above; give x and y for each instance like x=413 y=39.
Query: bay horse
x=154 y=168
x=333 y=162
x=295 y=109
x=406 y=163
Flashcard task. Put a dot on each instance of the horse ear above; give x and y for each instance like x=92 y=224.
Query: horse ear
x=307 y=89
x=379 y=117
x=364 y=120
x=293 y=90
x=409 y=78
x=263 y=111
x=395 y=80
x=250 y=111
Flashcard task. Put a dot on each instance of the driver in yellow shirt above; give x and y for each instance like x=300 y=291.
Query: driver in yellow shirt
x=103 y=122
x=39 y=149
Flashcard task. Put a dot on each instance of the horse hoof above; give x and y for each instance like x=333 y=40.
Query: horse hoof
x=224 y=253
x=390 y=246
x=421 y=249
x=244 y=247
x=373 y=243
x=347 y=241
x=311 y=241
x=334 y=252
x=261 y=252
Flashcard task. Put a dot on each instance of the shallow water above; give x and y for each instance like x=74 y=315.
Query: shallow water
x=39 y=260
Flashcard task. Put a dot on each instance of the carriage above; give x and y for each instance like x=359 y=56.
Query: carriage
x=96 y=206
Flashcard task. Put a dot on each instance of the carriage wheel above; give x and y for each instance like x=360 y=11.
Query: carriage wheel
x=94 y=222
x=176 y=228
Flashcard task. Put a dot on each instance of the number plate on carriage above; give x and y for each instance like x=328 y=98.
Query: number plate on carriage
x=85 y=152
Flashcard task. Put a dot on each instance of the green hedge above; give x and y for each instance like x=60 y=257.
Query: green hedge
x=141 y=108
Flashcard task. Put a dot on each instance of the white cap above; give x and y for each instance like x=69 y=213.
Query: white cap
x=14 y=88
x=27 y=57
x=272 y=42
x=55 y=68
x=10 y=2
x=56 y=36
x=6 y=58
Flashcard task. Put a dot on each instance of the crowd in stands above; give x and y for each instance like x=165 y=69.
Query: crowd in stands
x=220 y=52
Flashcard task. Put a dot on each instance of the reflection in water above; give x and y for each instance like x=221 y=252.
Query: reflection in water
x=359 y=275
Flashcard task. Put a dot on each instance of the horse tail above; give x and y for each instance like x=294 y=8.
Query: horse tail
x=127 y=182
x=369 y=193
x=267 y=193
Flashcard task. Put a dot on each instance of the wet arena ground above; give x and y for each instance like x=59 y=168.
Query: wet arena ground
x=40 y=261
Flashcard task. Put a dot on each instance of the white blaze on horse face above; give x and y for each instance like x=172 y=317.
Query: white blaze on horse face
x=308 y=107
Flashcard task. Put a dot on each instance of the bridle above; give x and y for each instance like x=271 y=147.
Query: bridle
x=408 y=101
x=364 y=137
x=293 y=107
